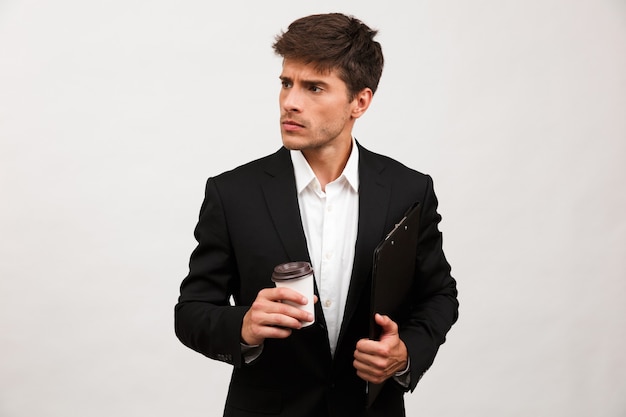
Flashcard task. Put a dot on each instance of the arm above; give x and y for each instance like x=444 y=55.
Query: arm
x=204 y=319
x=432 y=311
x=435 y=306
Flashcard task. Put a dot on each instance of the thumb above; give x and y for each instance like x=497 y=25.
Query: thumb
x=388 y=325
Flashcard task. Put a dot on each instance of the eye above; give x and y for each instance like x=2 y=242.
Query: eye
x=315 y=89
x=285 y=84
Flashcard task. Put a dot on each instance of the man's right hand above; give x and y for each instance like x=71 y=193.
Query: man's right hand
x=270 y=317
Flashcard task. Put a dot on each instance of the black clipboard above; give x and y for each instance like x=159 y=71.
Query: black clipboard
x=392 y=276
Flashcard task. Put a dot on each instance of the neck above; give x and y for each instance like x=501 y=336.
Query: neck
x=328 y=164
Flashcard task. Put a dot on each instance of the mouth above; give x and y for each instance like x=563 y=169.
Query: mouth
x=291 y=125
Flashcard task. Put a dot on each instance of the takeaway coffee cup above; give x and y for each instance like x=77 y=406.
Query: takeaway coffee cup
x=299 y=277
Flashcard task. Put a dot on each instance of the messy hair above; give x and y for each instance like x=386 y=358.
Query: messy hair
x=335 y=42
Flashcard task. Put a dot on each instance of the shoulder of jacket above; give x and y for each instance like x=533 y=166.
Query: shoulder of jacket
x=388 y=165
x=274 y=161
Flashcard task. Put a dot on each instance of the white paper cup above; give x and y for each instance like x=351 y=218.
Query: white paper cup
x=299 y=277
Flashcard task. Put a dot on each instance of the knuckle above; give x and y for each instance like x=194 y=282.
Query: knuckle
x=256 y=305
x=384 y=351
x=282 y=308
x=380 y=365
x=282 y=292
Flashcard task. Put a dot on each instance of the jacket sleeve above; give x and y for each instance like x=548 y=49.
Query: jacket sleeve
x=435 y=306
x=204 y=319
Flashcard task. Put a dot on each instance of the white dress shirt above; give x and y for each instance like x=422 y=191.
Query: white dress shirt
x=330 y=221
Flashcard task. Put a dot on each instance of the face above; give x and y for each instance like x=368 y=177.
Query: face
x=315 y=110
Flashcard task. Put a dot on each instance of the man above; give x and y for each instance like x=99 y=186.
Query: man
x=325 y=199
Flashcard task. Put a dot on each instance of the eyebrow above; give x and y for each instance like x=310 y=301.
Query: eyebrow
x=307 y=83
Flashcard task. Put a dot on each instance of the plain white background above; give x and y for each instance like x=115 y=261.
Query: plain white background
x=113 y=114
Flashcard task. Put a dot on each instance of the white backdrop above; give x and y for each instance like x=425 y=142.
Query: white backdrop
x=113 y=114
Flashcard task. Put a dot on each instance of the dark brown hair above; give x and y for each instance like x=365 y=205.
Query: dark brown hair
x=335 y=42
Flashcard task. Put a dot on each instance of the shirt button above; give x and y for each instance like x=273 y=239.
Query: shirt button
x=328 y=303
x=328 y=255
x=329 y=208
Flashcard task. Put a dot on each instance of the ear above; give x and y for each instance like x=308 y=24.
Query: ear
x=361 y=102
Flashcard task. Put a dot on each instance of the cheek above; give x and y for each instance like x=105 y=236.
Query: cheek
x=330 y=114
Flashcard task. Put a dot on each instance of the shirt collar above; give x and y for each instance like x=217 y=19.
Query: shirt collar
x=304 y=174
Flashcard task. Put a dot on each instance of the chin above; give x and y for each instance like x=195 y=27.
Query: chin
x=293 y=144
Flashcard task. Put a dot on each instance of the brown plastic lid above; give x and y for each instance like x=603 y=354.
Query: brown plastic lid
x=291 y=270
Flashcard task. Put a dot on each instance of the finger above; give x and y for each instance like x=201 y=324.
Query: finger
x=259 y=325
x=367 y=346
x=275 y=300
x=366 y=360
x=285 y=294
x=264 y=312
x=289 y=297
x=283 y=314
x=373 y=368
x=284 y=301
x=369 y=373
x=273 y=314
x=269 y=332
x=369 y=377
x=372 y=347
x=388 y=326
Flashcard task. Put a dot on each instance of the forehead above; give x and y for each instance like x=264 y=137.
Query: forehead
x=299 y=70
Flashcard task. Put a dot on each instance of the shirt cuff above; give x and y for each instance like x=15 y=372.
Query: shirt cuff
x=250 y=352
x=404 y=377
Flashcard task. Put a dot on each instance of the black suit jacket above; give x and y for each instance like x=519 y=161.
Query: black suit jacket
x=249 y=222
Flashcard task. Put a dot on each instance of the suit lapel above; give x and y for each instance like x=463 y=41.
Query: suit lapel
x=282 y=200
x=281 y=197
x=374 y=196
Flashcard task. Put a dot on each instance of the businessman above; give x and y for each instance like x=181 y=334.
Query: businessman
x=325 y=199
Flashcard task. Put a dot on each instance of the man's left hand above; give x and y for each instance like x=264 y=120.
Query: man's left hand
x=376 y=361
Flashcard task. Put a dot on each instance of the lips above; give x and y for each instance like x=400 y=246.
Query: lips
x=291 y=125
x=290 y=122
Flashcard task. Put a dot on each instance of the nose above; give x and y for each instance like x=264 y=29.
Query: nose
x=290 y=100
